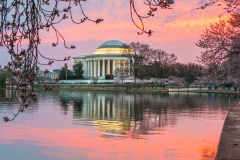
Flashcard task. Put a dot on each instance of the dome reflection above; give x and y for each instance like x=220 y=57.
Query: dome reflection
x=137 y=114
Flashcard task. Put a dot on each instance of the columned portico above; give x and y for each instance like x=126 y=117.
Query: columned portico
x=109 y=56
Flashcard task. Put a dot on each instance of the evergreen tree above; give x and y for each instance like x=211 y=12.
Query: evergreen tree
x=78 y=70
x=4 y=75
x=2 y=80
x=62 y=74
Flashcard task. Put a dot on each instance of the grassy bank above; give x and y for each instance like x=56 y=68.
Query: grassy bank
x=131 y=89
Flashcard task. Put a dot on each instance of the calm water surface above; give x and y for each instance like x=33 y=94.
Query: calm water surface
x=114 y=125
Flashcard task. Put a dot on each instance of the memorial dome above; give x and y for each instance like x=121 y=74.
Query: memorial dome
x=113 y=47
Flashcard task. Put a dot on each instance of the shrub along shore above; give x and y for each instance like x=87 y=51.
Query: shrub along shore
x=138 y=88
x=131 y=88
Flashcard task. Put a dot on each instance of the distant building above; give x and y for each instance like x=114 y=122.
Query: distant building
x=50 y=75
x=57 y=71
x=105 y=59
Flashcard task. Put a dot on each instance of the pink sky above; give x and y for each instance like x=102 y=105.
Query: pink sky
x=175 y=31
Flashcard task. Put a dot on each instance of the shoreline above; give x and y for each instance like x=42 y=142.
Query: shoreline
x=229 y=143
x=124 y=88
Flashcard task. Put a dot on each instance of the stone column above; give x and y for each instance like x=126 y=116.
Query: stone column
x=103 y=69
x=90 y=68
x=95 y=69
x=114 y=67
x=87 y=69
x=119 y=63
x=128 y=66
x=108 y=68
x=98 y=68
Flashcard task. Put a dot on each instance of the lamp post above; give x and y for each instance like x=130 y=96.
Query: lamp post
x=66 y=71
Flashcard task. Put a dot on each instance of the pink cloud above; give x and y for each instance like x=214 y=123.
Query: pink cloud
x=179 y=27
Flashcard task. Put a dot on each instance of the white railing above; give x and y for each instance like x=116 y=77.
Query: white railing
x=187 y=89
x=90 y=81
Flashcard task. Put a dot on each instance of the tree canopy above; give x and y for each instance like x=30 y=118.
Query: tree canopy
x=138 y=58
x=66 y=74
x=122 y=72
x=221 y=44
x=76 y=73
x=78 y=70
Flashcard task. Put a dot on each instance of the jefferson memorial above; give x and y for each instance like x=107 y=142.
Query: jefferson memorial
x=105 y=59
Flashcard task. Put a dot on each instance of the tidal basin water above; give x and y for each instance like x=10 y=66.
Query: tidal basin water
x=114 y=125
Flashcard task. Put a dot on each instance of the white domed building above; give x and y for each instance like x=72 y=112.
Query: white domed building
x=105 y=59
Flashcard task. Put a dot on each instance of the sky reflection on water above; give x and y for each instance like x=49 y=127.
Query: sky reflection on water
x=115 y=125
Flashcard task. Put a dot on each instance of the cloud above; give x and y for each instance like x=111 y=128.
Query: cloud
x=180 y=26
x=170 y=18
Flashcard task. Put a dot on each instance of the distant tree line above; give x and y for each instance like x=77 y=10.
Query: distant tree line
x=147 y=63
x=76 y=72
x=188 y=71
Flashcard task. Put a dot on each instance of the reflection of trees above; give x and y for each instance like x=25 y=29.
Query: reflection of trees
x=12 y=106
x=195 y=103
x=2 y=94
x=64 y=103
x=77 y=107
x=208 y=153
x=139 y=113
x=67 y=100
x=149 y=114
x=155 y=110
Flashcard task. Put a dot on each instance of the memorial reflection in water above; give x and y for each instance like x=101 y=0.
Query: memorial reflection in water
x=137 y=112
x=114 y=125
